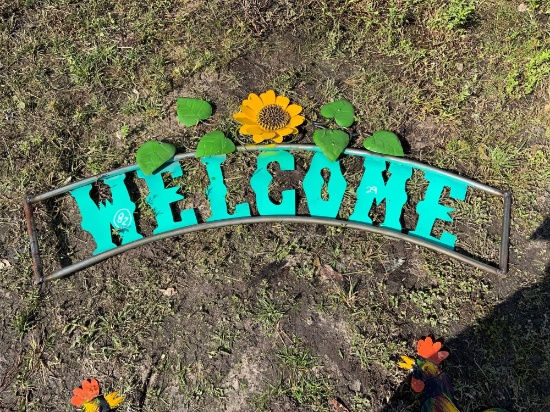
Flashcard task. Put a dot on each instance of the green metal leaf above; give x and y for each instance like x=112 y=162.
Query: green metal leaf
x=341 y=111
x=151 y=155
x=214 y=143
x=190 y=111
x=384 y=142
x=331 y=142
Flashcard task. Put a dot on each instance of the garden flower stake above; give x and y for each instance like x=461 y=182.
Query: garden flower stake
x=268 y=116
x=87 y=398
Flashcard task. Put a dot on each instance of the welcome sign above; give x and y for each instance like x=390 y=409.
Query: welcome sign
x=384 y=179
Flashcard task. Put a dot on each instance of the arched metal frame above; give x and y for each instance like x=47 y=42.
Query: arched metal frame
x=65 y=271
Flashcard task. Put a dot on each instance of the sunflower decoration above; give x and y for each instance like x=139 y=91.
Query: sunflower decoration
x=268 y=116
x=87 y=397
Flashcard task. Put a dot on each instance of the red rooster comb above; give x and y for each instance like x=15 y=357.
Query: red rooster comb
x=432 y=350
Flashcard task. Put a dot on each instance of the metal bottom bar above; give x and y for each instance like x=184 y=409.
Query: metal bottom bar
x=66 y=271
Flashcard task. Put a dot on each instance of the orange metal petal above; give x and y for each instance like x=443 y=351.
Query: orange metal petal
x=248 y=111
x=296 y=121
x=294 y=109
x=286 y=131
x=254 y=102
x=251 y=129
x=282 y=101
x=268 y=97
x=268 y=135
x=243 y=119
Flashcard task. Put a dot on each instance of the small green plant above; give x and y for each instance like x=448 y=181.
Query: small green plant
x=124 y=131
x=267 y=311
x=455 y=14
x=296 y=357
x=522 y=81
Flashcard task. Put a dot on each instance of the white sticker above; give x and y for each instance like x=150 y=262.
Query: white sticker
x=122 y=219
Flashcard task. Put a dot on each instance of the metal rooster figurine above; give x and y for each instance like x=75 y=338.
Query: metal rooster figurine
x=428 y=376
x=88 y=398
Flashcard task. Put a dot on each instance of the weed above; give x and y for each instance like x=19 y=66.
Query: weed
x=85 y=83
x=522 y=81
x=455 y=15
x=267 y=312
x=25 y=320
x=296 y=358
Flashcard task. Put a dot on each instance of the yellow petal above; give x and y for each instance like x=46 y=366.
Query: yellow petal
x=296 y=121
x=282 y=101
x=257 y=138
x=91 y=407
x=254 y=102
x=251 y=129
x=268 y=97
x=287 y=130
x=113 y=400
x=248 y=111
x=242 y=118
x=268 y=135
x=278 y=139
x=294 y=109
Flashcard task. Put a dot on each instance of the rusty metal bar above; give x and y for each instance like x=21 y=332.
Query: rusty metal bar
x=35 y=252
x=505 y=245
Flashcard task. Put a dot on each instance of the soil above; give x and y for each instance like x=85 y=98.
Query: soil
x=276 y=317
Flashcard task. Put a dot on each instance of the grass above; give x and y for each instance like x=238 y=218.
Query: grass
x=252 y=325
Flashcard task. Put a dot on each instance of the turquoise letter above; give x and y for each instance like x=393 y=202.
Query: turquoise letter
x=430 y=209
x=160 y=198
x=313 y=185
x=261 y=180
x=216 y=191
x=119 y=214
x=373 y=187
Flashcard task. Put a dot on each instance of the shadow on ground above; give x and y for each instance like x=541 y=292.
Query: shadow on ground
x=506 y=353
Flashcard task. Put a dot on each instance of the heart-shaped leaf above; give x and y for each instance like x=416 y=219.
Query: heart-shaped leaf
x=190 y=111
x=384 y=142
x=151 y=155
x=331 y=142
x=214 y=143
x=341 y=111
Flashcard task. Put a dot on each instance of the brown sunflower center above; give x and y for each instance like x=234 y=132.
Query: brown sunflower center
x=272 y=117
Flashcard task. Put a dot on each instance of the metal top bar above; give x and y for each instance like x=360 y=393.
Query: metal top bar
x=66 y=271
x=273 y=147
